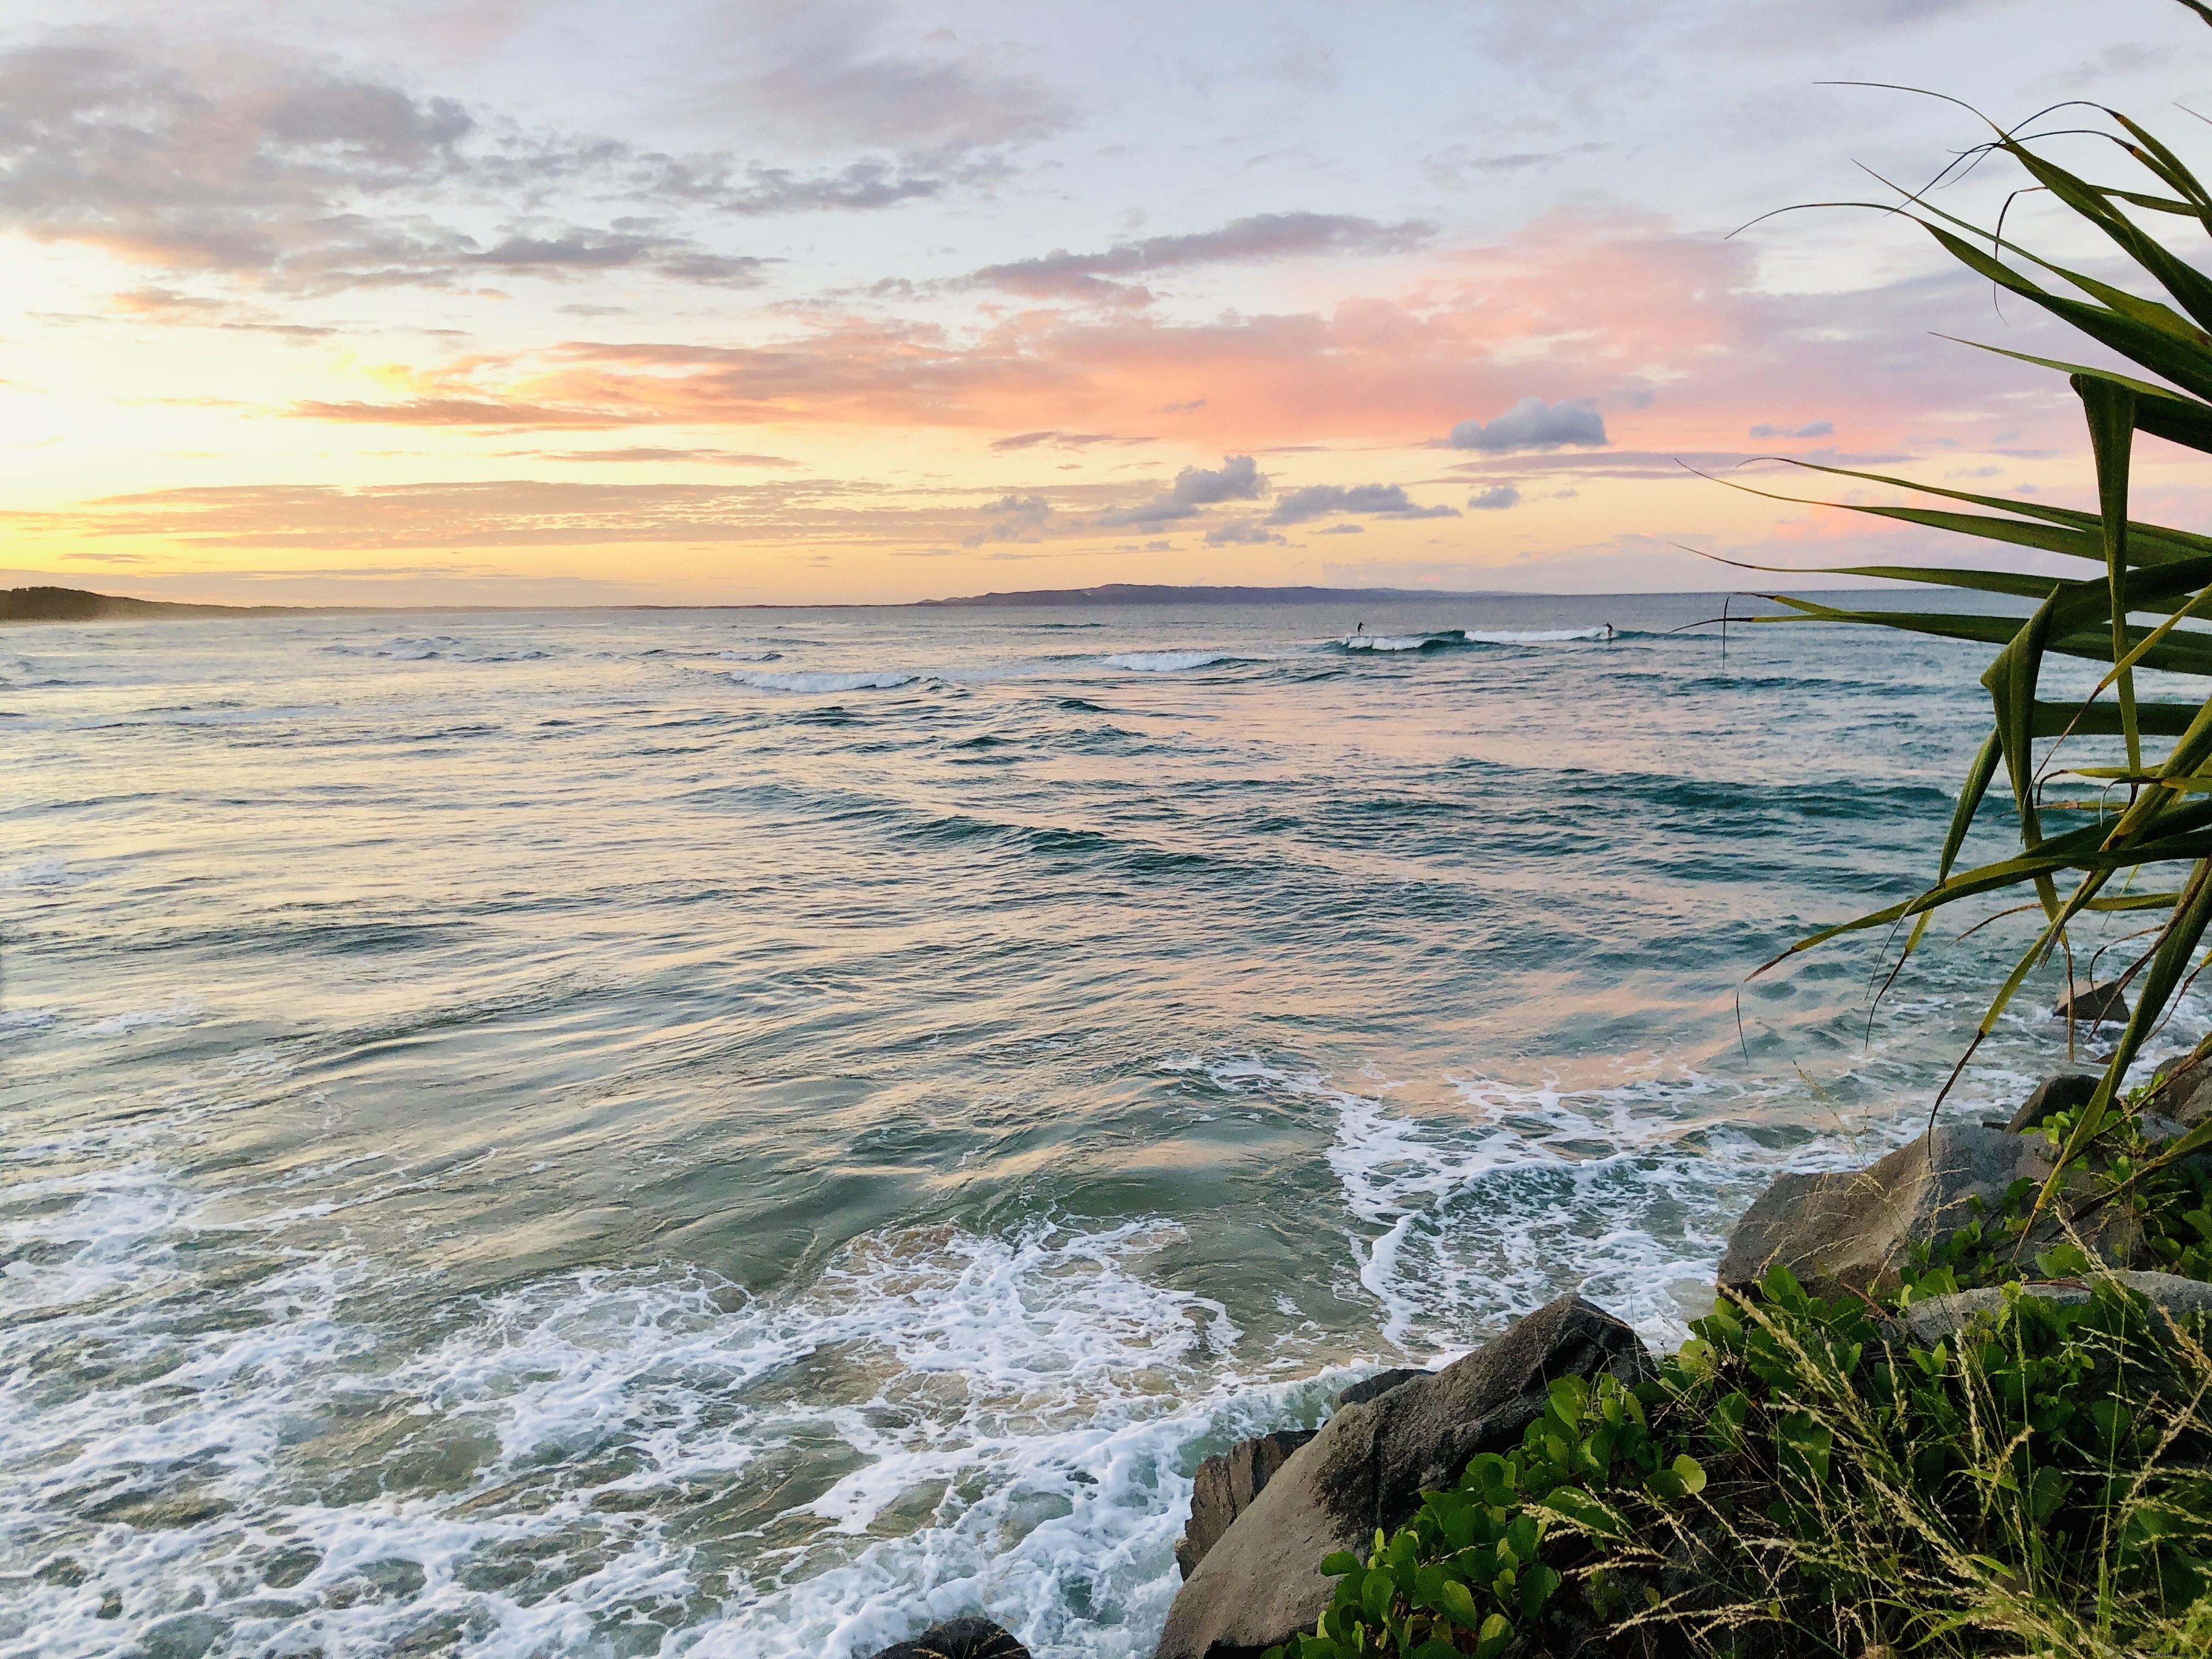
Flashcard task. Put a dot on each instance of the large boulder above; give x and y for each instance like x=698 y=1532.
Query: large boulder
x=1856 y=1229
x=1262 y=1583
x=2067 y=1091
x=1225 y=1486
x=958 y=1638
x=2094 y=1005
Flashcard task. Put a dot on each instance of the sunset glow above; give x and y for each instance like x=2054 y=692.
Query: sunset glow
x=515 y=302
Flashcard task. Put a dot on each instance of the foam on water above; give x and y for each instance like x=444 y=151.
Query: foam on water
x=1167 y=662
x=863 y=680
x=1533 y=635
x=1002 y=1423
x=1624 y=1193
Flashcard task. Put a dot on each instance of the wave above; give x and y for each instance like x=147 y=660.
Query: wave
x=1447 y=639
x=750 y=656
x=439 y=647
x=876 y=680
x=1168 y=662
x=1533 y=635
x=997 y=1424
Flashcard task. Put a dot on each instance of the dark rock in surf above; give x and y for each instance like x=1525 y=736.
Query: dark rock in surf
x=2068 y=1091
x=1225 y=1486
x=2094 y=1005
x=1262 y=1583
x=1368 y=1388
x=958 y=1638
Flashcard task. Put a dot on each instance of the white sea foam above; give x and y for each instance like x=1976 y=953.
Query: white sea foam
x=15 y=1020
x=1392 y=641
x=1533 y=636
x=1008 y=1424
x=1624 y=1193
x=182 y=1012
x=877 y=680
x=1166 y=662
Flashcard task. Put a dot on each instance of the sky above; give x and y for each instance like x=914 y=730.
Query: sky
x=566 y=301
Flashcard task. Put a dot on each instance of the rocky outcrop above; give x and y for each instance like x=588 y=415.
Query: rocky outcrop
x=2094 y=1005
x=1225 y=1486
x=2068 y=1091
x=1942 y=1317
x=1261 y=1582
x=1855 y=1229
x=958 y=1638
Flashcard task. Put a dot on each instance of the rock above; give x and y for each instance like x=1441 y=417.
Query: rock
x=958 y=1638
x=1382 y=1383
x=1941 y=1317
x=2068 y=1091
x=1225 y=1487
x=1262 y=1583
x=2183 y=1091
x=1854 y=1229
x=2094 y=1005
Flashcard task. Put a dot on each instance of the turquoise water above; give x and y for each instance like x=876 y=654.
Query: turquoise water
x=738 y=1132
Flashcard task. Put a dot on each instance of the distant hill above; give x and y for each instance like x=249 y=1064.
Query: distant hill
x=56 y=605
x=1158 y=594
x=76 y=605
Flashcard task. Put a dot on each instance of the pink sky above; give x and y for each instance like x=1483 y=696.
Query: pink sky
x=531 y=303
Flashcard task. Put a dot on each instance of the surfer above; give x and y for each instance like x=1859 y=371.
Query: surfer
x=1362 y=629
x=1609 y=633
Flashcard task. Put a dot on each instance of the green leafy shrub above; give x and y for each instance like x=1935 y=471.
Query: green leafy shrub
x=1804 y=1477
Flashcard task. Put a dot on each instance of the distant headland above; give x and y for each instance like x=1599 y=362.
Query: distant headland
x=59 y=605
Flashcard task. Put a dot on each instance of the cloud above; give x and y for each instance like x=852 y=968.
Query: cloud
x=1343 y=530
x=1236 y=479
x=1065 y=440
x=1811 y=429
x=1241 y=532
x=1496 y=499
x=1260 y=236
x=1320 y=501
x=305 y=178
x=1368 y=368
x=1532 y=423
x=442 y=517
x=827 y=84
x=1019 y=518
x=642 y=453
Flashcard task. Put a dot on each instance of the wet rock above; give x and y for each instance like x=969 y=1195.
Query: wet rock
x=1855 y=1228
x=2183 y=1091
x=2068 y=1091
x=1942 y=1317
x=958 y=1638
x=1367 y=1468
x=1382 y=1383
x=1225 y=1486
x=2094 y=1005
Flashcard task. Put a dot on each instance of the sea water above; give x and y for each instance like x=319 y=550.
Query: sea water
x=742 y=1132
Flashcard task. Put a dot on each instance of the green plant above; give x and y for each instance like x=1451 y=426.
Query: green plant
x=2154 y=853
x=1805 y=1476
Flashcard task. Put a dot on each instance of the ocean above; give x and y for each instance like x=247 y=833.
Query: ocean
x=742 y=1132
